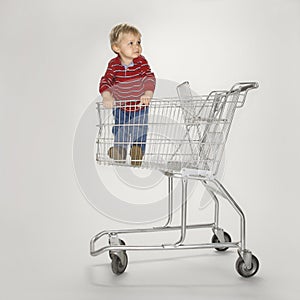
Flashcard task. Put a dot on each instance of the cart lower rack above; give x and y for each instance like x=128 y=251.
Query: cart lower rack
x=183 y=137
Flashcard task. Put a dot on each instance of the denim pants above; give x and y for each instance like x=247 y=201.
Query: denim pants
x=130 y=128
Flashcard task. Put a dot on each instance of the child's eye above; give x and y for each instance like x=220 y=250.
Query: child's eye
x=139 y=42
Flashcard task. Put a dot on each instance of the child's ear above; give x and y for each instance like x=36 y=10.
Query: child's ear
x=116 y=48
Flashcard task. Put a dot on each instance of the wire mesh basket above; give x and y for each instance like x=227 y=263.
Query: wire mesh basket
x=179 y=134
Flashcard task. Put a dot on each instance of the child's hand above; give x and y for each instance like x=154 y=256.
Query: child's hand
x=108 y=100
x=146 y=98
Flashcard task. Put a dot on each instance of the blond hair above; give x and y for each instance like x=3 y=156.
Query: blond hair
x=117 y=32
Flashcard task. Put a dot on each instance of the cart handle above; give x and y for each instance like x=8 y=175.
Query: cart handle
x=242 y=87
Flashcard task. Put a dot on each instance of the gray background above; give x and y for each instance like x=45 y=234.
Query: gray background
x=52 y=55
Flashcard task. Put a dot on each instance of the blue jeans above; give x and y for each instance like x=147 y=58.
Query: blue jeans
x=130 y=127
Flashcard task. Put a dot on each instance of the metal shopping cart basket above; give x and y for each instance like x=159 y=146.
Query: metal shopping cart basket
x=190 y=133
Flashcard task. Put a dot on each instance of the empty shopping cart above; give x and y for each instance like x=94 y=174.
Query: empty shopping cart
x=183 y=137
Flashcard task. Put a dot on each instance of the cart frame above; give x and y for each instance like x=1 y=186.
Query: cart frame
x=247 y=264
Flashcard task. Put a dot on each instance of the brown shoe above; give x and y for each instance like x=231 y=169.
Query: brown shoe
x=136 y=155
x=117 y=154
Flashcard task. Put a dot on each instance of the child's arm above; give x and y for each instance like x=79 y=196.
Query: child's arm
x=105 y=86
x=149 y=82
x=108 y=99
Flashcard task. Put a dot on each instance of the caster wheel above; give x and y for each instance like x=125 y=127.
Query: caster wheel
x=116 y=264
x=215 y=239
x=121 y=243
x=243 y=270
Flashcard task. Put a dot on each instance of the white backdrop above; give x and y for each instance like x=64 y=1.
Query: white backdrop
x=52 y=56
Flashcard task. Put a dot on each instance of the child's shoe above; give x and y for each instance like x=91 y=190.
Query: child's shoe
x=136 y=154
x=118 y=154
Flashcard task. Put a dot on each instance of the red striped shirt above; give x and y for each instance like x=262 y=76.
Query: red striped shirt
x=128 y=83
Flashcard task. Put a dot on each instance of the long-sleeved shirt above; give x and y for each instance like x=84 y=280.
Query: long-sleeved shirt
x=128 y=83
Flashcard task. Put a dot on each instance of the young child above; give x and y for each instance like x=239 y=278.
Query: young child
x=128 y=86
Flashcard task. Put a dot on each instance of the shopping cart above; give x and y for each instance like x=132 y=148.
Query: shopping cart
x=183 y=137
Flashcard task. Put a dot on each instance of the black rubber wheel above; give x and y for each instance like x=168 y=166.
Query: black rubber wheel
x=245 y=272
x=215 y=239
x=110 y=253
x=116 y=264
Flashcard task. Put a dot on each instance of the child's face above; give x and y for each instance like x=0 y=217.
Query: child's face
x=129 y=47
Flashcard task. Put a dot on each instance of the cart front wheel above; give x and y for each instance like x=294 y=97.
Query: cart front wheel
x=110 y=253
x=243 y=270
x=216 y=240
x=116 y=264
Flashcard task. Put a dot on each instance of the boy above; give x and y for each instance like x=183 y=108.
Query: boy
x=128 y=86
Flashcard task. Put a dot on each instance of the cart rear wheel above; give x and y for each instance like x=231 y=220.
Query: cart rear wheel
x=121 y=243
x=243 y=270
x=215 y=239
x=116 y=264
